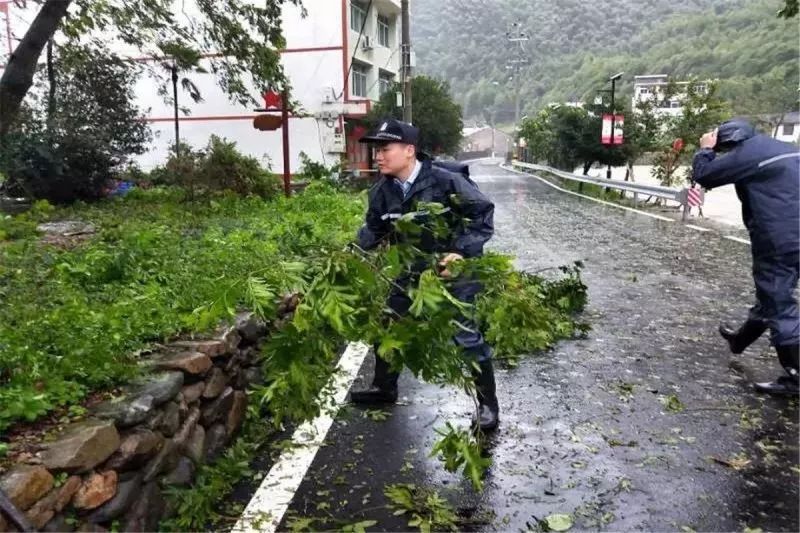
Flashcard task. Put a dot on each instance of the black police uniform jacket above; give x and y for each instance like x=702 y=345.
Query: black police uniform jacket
x=470 y=219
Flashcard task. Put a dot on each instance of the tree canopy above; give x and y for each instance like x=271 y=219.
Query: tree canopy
x=575 y=46
x=567 y=137
x=436 y=114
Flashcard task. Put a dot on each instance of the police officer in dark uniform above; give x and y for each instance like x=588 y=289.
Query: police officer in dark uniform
x=765 y=174
x=407 y=177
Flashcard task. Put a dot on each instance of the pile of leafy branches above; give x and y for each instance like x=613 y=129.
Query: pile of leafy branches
x=342 y=297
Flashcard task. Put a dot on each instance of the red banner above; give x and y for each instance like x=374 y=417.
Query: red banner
x=605 y=135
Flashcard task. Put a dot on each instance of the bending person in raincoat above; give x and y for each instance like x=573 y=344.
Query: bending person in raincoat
x=765 y=174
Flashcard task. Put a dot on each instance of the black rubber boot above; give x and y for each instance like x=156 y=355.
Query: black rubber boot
x=788 y=385
x=384 y=386
x=488 y=416
x=746 y=335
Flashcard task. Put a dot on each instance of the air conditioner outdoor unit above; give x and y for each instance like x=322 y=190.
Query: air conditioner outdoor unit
x=366 y=43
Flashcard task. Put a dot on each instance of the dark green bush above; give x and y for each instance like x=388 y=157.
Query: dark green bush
x=219 y=167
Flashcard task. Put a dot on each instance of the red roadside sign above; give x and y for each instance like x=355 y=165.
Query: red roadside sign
x=605 y=135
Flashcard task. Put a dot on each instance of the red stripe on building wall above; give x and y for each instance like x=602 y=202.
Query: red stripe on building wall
x=145 y=59
x=311 y=49
x=206 y=118
x=4 y=10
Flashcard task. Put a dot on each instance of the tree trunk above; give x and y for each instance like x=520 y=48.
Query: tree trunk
x=18 y=75
x=51 y=96
x=777 y=125
x=629 y=172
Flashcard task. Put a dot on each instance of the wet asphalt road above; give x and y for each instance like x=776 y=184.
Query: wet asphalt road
x=584 y=428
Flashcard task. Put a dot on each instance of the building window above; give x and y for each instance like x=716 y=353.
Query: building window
x=359 y=82
x=358 y=15
x=788 y=129
x=383 y=31
x=385 y=82
x=700 y=88
x=674 y=104
x=644 y=90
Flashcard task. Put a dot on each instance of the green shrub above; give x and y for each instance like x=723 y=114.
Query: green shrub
x=72 y=318
x=182 y=169
x=94 y=128
x=316 y=171
x=225 y=168
x=219 y=167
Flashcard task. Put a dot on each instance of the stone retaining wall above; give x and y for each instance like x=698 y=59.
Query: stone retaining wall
x=113 y=466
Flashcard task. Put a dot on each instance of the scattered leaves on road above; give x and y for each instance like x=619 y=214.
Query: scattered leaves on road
x=671 y=403
x=557 y=522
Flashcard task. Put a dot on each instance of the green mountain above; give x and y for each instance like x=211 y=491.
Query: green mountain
x=574 y=46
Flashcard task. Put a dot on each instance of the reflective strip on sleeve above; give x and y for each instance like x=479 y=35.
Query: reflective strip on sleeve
x=777 y=158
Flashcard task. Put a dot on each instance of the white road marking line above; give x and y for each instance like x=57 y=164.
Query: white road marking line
x=698 y=228
x=268 y=505
x=737 y=239
x=651 y=215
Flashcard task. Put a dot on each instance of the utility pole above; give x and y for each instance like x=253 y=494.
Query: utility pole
x=515 y=65
x=516 y=95
x=613 y=80
x=517 y=35
x=174 y=70
x=406 y=58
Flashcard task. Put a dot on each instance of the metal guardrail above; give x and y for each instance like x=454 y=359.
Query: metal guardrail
x=681 y=196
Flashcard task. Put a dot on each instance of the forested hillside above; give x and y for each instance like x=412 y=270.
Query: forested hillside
x=575 y=45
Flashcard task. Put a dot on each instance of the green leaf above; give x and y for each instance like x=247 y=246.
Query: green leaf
x=558 y=522
x=672 y=403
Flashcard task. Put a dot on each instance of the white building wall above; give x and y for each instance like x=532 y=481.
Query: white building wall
x=314 y=62
x=647 y=91
x=313 y=74
x=789 y=133
x=378 y=58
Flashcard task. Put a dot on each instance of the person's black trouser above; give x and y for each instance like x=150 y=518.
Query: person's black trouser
x=775 y=279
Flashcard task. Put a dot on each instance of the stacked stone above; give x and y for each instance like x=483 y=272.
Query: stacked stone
x=115 y=465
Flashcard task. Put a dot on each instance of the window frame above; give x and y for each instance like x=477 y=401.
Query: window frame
x=386 y=79
x=384 y=25
x=357 y=8
x=361 y=70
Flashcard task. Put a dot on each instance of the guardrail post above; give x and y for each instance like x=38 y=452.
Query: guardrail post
x=686 y=209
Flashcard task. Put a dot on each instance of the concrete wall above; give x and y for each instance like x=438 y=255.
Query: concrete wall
x=789 y=133
x=481 y=140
